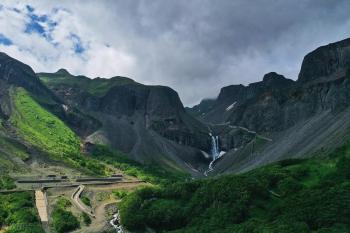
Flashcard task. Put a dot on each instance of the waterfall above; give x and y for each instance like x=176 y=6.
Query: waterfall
x=215 y=152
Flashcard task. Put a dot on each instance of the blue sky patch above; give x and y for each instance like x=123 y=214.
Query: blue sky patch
x=29 y=8
x=36 y=24
x=77 y=44
x=4 y=40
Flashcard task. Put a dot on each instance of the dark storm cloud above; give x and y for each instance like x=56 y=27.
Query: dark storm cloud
x=199 y=46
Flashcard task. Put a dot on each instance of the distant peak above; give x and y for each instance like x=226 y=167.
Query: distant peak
x=272 y=76
x=63 y=72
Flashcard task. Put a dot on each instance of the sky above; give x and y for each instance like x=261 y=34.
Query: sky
x=194 y=46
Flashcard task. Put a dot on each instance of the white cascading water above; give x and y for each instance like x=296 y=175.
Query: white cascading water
x=115 y=222
x=215 y=151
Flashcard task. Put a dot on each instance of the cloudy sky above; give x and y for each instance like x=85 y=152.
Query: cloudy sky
x=193 y=46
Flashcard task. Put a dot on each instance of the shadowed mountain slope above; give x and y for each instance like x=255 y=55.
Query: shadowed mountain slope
x=282 y=118
x=147 y=122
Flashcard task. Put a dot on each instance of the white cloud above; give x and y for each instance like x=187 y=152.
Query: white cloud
x=42 y=54
x=196 y=47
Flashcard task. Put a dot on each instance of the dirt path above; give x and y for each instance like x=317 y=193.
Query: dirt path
x=99 y=223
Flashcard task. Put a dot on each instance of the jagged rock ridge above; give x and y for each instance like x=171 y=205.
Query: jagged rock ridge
x=301 y=118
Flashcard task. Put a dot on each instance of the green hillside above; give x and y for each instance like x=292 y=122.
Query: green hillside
x=97 y=86
x=49 y=134
x=18 y=214
x=40 y=127
x=292 y=196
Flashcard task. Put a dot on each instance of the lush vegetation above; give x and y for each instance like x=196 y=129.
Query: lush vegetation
x=86 y=200
x=13 y=148
x=63 y=220
x=6 y=182
x=41 y=128
x=97 y=87
x=18 y=214
x=48 y=133
x=150 y=173
x=286 y=197
x=120 y=193
x=86 y=218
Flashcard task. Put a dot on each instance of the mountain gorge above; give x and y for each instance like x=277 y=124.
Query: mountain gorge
x=285 y=118
x=276 y=118
x=281 y=134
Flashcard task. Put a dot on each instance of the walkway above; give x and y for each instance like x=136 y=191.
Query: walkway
x=76 y=199
x=41 y=205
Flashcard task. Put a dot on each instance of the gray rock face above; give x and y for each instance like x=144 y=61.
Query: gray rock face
x=277 y=105
x=236 y=97
x=14 y=72
x=255 y=107
x=147 y=122
x=327 y=62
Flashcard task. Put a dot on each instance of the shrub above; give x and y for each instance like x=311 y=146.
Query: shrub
x=86 y=218
x=86 y=200
x=64 y=221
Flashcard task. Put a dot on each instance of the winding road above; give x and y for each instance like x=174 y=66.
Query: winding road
x=78 y=203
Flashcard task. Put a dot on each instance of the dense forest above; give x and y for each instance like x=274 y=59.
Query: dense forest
x=290 y=196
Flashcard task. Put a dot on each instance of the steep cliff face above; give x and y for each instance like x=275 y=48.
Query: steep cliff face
x=233 y=100
x=146 y=122
x=328 y=62
x=276 y=105
x=14 y=72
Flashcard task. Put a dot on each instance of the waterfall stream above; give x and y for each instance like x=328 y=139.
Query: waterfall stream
x=215 y=152
x=115 y=222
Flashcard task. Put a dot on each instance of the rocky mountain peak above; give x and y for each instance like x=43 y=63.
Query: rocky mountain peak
x=231 y=92
x=276 y=80
x=14 y=72
x=327 y=62
x=62 y=72
x=273 y=76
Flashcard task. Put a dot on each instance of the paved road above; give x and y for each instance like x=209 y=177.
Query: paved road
x=76 y=199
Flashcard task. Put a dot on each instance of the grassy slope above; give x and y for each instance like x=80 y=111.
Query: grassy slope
x=41 y=128
x=17 y=213
x=149 y=173
x=97 y=87
x=292 y=196
x=13 y=148
x=11 y=152
x=48 y=133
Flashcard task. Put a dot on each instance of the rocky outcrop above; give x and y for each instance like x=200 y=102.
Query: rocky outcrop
x=132 y=114
x=18 y=74
x=14 y=72
x=276 y=105
x=328 y=62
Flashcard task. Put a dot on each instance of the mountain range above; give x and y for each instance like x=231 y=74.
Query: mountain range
x=275 y=152
x=270 y=120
